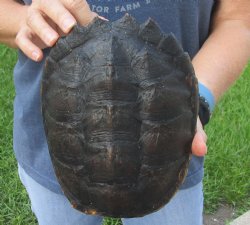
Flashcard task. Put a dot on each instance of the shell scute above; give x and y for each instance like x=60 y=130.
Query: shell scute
x=150 y=32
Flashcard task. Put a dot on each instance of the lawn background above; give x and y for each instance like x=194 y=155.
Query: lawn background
x=227 y=165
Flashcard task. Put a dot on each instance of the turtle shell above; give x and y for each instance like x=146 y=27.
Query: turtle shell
x=119 y=103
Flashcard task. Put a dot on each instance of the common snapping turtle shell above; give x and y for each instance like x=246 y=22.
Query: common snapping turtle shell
x=119 y=103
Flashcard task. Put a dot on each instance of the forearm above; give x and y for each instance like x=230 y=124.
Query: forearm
x=12 y=14
x=224 y=55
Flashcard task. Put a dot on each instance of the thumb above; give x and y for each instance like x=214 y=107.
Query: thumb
x=199 y=147
x=81 y=11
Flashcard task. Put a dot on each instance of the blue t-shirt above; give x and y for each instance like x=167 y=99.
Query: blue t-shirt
x=188 y=20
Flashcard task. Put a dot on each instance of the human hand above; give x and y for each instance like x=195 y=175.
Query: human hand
x=199 y=147
x=47 y=20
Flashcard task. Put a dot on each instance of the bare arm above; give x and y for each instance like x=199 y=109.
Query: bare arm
x=227 y=50
x=224 y=54
x=12 y=15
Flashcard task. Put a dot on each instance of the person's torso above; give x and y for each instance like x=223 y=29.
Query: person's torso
x=188 y=20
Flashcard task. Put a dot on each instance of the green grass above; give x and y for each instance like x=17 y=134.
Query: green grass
x=227 y=165
x=14 y=205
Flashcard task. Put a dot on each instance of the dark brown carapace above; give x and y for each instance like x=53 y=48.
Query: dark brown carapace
x=119 y=103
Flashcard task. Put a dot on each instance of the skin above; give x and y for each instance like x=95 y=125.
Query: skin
x=217 y=64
